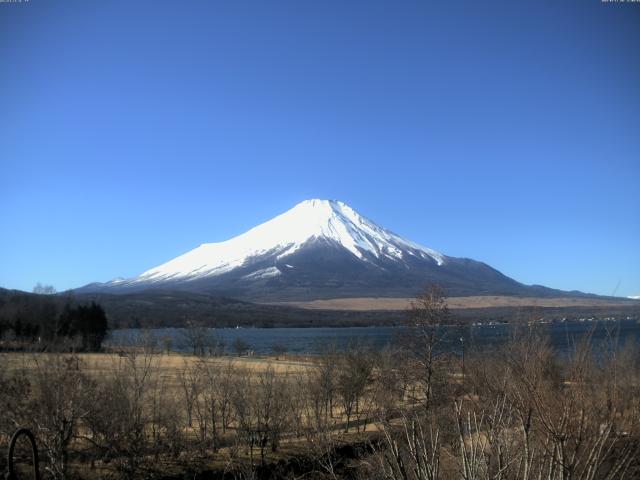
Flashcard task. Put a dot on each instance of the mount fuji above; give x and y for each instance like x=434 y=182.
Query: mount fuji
x=319 y=249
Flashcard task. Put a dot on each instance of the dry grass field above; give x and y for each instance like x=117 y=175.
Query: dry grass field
x=138 y=413
x=393 y=304
x=171 y=378
x=167 y=366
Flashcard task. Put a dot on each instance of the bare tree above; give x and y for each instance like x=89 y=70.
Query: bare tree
x=390 y=382
x=273 y=402
x=16 y=388
x=200 y=340
x=243 y=407
x=353 y=378
x=240 y=346
x=411 y=451
x=214 y=407
x=60 y=400
x=325 y=378
x=279 y=350
x=189 y=379
x=165 y=419
x=118 y=425
x=426 y=313
x=261 y=411
x=44 y=289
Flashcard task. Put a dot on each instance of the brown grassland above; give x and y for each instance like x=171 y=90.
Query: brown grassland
x=484 y=301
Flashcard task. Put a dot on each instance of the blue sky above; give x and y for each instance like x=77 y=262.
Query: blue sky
x=508 y=132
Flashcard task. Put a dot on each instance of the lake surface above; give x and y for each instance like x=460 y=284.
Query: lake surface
x=563 y=336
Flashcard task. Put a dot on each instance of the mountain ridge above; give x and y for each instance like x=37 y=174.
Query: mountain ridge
x=321 y=249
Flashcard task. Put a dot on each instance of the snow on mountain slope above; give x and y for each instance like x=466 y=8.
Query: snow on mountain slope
x=319 y=249
x=285 y=234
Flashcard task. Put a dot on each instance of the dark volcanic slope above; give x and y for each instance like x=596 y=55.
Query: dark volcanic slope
x=322 y=269
x=317 y=250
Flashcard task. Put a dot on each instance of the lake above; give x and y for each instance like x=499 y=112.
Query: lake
x=563 y=336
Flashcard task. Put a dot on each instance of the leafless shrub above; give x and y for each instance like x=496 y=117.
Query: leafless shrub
x=213 y=404
x=260 y=407
x=16 y=388
x=118 y=426
x=51 y=397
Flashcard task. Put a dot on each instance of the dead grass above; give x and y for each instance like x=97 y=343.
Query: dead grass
x=168 y=366
x=377 y=303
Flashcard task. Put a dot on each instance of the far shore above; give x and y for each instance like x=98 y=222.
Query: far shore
x=489 y=301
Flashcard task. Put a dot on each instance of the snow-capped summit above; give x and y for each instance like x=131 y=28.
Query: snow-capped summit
x=317 y=249
x=308 y=221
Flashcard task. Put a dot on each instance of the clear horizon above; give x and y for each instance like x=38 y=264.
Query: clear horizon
x=507 y=133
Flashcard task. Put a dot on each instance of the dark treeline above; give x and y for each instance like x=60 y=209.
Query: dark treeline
x=50 y=322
